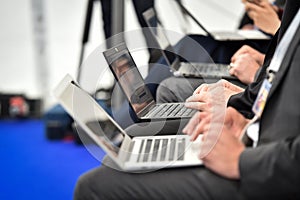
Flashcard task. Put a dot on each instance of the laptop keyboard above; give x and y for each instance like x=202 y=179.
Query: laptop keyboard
x=169 y=111
x=227 y=35
x=160 y=150
x=205 y=69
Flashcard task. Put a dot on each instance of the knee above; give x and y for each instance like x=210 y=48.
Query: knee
x=164 y=92
x=160 y=94
x=96 y=184
x=83 y=189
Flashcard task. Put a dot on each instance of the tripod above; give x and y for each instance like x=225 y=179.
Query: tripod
x=85 y=35
x=116 y=20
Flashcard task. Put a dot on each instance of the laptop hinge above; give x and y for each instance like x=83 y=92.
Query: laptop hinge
x=145 y=110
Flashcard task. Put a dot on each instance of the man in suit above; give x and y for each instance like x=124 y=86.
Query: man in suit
x=232 y=170
x=267 y=18
x=177 y=89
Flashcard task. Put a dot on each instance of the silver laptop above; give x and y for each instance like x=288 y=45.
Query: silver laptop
x=227 y=35
x=138 y=94
x=201 y=70
x=137 y=153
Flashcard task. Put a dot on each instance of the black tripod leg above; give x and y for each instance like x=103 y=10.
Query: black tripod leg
x=85 y=35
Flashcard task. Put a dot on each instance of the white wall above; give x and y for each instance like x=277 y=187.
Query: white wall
x=213 y=14
x=64 y=24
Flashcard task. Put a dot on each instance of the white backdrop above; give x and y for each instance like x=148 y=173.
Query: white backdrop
x=64 y=25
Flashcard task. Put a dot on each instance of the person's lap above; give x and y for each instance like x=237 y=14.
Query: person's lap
x=199 y=48
x=173 y=183
x=175 y=89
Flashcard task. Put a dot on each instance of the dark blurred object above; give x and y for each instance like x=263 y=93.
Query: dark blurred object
x=103 y=97
x=57 y=123
x=79 y=134
x=19 y=106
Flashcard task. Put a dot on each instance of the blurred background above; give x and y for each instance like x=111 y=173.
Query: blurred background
x=41 y=41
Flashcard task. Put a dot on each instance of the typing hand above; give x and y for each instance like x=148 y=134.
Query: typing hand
x=245 y=49
x=244 y=68
x=206 y=95
x=211 y=100
x=200 y=100
x=223 y=158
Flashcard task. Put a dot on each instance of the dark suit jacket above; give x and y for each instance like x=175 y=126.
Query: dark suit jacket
x=243 y=102
x=272 y=170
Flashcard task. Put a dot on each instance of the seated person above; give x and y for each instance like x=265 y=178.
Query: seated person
x=232 y=170
x=266 y=18
x=244 y=65
x=220 y=52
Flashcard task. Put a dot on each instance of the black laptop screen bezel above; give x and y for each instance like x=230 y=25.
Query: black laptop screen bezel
x=115 y=53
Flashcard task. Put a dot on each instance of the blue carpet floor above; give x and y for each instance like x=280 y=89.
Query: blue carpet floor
x=33 y=167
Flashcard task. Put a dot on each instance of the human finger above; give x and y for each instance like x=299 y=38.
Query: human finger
x=201 y=97
x=252 y=6
x=201 y=106
x=232 y=69
x=242 y=50
x=188 y=129
x=201 y=127
x=202 y=87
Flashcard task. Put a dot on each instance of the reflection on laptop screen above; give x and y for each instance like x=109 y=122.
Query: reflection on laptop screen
x=108 y=134
x=158 y=32
x=93 y=116
x=130 y=80
x=160 y=35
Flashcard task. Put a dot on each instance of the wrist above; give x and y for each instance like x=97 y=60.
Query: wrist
x=261 y=59
x=273 y=29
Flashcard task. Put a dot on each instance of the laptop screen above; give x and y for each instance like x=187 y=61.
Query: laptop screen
x=88 y=114
x=108 y=133
x=129 y=78
x=161 y=38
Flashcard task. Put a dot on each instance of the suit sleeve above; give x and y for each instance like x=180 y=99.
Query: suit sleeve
x=243 y=102
x=272 y=170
